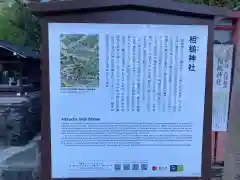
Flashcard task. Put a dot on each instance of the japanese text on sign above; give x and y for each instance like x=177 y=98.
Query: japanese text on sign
x=131 y=91
x=192 y=53
x=152 y=74
x=222 y=65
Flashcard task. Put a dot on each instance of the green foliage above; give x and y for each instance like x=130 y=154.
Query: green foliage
x=219 y=3
x=19 y=26
x=79 y=60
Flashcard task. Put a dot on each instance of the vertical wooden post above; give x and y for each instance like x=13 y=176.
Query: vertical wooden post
x=232 y=169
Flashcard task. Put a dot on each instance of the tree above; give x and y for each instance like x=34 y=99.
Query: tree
x=219 y=3
x=20 y=26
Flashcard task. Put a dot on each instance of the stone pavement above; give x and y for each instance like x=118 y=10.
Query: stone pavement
x=18 y=158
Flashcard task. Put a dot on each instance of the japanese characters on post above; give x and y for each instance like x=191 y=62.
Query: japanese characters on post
x=222 y=69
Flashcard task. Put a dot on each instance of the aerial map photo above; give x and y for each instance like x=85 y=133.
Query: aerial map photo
x=79 y=60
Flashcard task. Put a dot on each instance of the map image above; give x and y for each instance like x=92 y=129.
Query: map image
x=79 y=60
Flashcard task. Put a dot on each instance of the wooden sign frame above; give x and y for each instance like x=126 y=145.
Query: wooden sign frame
x=125 y=12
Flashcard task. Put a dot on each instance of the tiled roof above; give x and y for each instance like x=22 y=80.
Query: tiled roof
x=20 y=50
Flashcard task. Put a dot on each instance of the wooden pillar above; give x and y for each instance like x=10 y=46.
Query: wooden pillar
x=232 y=152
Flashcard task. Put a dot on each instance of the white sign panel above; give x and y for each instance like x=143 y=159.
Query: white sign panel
x=127 y=100
x=222 y=63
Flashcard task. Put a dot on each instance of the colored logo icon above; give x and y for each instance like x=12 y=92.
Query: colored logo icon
x=176 y=168
x=154 y=168
x=180 y=168
x=173 y=168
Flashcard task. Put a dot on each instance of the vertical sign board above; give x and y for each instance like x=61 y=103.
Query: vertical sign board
x=127 y=100
x=222 y=68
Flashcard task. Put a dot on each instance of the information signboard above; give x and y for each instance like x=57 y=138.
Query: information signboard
x=126 y=100
x=222 y=69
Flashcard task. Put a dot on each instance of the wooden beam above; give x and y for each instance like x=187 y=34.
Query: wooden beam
x=10 y=62
x=234 y=14
x=224 y=28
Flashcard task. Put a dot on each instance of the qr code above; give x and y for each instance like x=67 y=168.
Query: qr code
x=144 y=167
x=117 y=167
x=126 y=167
x=135 y=167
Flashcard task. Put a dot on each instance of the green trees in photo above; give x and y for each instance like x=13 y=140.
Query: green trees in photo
x=79 y=60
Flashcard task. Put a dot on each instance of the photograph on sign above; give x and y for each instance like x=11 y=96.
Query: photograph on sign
x=126 y=100
x=79 y=63
x=222 y=69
